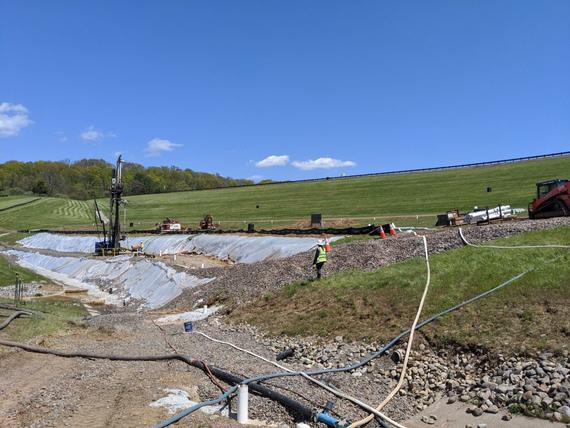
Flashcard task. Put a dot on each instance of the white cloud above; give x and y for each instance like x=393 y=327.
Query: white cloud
x=157 y=146
x=93 y=134
x=13 y=118
x=273 y=160
x=322 y=163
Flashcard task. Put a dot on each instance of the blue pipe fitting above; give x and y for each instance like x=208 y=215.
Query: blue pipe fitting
x=328 y=420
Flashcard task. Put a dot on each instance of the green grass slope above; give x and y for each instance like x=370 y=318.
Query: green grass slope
x=7 y=202
x=48 y=213
x=533 y=312
x=396 y=197
x=389 y=196
x=9 y=270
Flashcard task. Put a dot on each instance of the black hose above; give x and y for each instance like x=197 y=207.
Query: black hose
x=380 y=352
x=12 y=317
x=299 y=410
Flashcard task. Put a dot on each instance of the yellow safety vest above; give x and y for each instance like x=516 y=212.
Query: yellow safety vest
x=322 y=257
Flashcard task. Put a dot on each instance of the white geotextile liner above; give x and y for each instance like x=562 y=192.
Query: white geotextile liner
x=195 y=315
x=153 y=282
x=246 y=249
x=242 y=249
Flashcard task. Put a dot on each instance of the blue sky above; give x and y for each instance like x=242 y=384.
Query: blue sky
x=325 y=87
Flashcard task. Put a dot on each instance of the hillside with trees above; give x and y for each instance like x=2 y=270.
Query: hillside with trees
x=90 y=178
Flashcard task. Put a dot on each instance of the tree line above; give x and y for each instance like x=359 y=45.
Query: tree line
x=90 y=178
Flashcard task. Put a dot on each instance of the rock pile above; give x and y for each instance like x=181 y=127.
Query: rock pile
x=31 y=289
x=536 y=385
x=242 y=283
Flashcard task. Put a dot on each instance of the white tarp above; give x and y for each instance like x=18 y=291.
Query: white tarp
x=178 y=399
x=241 y=249
x=152 y=282
x=195 y=315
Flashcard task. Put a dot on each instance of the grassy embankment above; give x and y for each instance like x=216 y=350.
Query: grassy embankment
x=399 y=198
x=57 y=316
x=533 y=312
x=9 y=270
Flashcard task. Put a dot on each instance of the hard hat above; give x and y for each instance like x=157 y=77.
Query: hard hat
x=321 y=243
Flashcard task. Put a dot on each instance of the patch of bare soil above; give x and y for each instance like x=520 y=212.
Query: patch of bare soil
x=47 y=391
x=193 y=261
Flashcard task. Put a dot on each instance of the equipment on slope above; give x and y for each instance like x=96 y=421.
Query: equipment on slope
x=207 y=223
x=552 y=199
x=111 y=238
x=451 y=218
x=169 y=225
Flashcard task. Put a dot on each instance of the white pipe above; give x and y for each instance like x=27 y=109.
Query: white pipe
x=509 y=247
x=243 y=397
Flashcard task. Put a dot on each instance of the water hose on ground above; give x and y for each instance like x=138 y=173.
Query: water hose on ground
x=381 y=351
x=398 y=386
x=300 y=410
x=12 y=317
x=341 y=394
x=370 y=357
x=466 y=242
x=326 y=418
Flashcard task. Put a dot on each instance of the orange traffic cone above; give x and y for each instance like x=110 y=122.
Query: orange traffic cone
x=392 y=230
x=382 y=233
x=328 y=247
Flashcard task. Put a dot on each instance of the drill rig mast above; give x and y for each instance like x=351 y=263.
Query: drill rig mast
x=116 y=201
x=112 y=236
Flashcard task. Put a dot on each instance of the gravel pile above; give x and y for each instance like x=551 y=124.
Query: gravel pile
x=243 y=282
x=536 y=385
x=31 y=289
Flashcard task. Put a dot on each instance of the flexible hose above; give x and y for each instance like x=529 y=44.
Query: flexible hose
x=341 y=394
x=299 y=409
x=332 y=390
x=395 y=340
x=12 y=317
x=511 y=246
x=398 y=386
x=386 y=347
x=370 y=357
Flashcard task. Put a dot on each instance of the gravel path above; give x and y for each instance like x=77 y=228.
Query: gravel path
x=243 y=283
x=81 y=392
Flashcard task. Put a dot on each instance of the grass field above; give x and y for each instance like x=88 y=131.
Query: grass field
x=7 y=202
x=47 y=213
x=533 y=312
x=9 y=270
x=58 y=315
x=399 y=198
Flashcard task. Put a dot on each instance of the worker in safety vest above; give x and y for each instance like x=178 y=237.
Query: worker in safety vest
x=320 y=258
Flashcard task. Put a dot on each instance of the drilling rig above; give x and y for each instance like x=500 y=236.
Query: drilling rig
x=112 y=235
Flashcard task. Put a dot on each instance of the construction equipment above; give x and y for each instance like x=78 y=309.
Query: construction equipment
x=451 y=218
x=169 y=225
x=207 y=223
x=111 y=238
x=552 y=199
